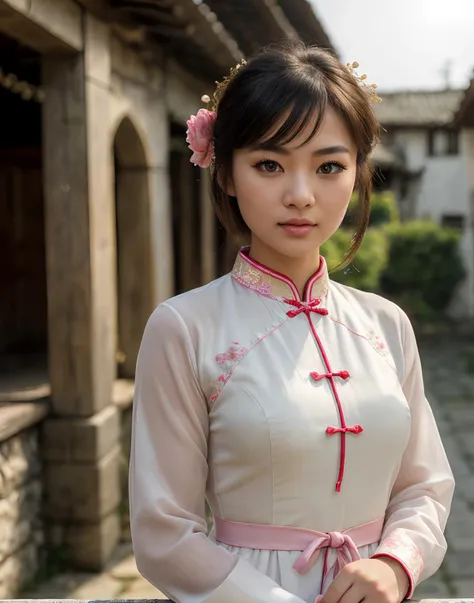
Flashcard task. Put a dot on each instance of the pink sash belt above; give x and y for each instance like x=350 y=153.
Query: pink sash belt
x=310 y=542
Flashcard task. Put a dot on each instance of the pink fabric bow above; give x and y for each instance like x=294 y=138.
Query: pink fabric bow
x=354 y=429
x=346 y=553
x=200 y=137
x=306 y=307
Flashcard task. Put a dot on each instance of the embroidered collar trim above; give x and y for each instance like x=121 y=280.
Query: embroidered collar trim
x=269 y=283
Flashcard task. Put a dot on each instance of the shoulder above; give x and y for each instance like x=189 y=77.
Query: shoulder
x=190 y=312
x=383 y=323
x=373 y=306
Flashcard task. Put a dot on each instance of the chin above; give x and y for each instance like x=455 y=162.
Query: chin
x=297 y=249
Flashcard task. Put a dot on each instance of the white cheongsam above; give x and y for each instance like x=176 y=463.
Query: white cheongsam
x=293 y=417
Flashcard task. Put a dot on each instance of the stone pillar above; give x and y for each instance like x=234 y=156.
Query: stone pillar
x=161 y=235
x=81 y=439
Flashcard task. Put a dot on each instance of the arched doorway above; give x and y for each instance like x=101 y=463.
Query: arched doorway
x=134 y=267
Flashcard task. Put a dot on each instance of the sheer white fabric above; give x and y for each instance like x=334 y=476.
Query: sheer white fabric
x=225 y=408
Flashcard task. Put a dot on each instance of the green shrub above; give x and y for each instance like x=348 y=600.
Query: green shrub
x=383 y=210
x=366 y=269
x=424 y=263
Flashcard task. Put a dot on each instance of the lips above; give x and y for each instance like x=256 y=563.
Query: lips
x=297 y=222
x=297 y=227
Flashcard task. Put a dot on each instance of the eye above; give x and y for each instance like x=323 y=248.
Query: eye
x=332 y=167
x=268 y=166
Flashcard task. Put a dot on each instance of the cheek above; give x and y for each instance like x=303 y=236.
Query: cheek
x=337 y=193
x=253 y=192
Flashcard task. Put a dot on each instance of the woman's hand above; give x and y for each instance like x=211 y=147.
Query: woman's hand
x=381 y=580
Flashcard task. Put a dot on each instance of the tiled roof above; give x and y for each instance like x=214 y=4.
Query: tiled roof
x=424 y=108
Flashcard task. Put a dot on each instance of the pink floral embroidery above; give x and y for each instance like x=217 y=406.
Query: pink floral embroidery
x=252 y=282
x=401 y=547
x=233 y=353
x=378 y=343
x=228 y=360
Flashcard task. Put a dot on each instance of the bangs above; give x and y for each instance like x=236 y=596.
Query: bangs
x=282 y=111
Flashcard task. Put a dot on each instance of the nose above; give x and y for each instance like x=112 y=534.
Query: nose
x=299 y=193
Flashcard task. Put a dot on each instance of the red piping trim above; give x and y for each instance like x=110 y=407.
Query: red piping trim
x=411 y=586
x=308 y=291
x=281 y=277
x=343 y=431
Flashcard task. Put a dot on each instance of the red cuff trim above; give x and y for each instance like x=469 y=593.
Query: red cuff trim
x=411 y=586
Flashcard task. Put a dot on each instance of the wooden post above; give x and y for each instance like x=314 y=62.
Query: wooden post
x=82 y=437
x=68 y=250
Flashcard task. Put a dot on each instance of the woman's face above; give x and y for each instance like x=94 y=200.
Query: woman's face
x=294 y=197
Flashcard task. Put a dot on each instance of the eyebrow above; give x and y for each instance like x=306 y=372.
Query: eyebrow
x=340 y=148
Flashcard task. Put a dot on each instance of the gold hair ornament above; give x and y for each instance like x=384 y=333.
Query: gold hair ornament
x=221 y=87
x=369 y=89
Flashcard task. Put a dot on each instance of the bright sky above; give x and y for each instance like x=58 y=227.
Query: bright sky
x=403 y=44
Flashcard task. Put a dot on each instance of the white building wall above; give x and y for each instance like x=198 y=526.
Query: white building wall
x=413 y=143
x=445 y=189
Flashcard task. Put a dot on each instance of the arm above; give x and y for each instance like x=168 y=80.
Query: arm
x=421 y=497
x=168 y=473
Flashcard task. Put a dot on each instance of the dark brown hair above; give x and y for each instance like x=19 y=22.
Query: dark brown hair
x=294 y=83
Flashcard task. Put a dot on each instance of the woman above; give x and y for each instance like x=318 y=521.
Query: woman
x=294 y=404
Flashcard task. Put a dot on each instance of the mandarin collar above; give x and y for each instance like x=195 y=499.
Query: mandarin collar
x=269 y=283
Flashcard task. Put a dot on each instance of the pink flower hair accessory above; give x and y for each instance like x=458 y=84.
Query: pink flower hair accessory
x=200 y=132
x=200 y=137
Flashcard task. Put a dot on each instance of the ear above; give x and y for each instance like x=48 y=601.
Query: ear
x=230 y=189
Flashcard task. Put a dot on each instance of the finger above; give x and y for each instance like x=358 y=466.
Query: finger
x=354 y=595
x=338 y=588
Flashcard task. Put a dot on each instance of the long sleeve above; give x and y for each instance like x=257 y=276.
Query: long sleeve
x=421 y=497
x=168 y=474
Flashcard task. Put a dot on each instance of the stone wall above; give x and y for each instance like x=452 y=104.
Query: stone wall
x=21 y=529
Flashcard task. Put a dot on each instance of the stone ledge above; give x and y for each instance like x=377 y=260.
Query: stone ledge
x=122 y=393
x=31 y=394
x=17 y=417
x=168 y=601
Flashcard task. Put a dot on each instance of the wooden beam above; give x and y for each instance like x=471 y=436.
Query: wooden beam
x=278 y=21
x=208 y=33
x=30 y=22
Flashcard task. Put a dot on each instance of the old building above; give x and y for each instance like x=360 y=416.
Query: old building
x=423 y=158
x=101 y=217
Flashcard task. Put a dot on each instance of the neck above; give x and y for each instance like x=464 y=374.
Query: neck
x=299 y=269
